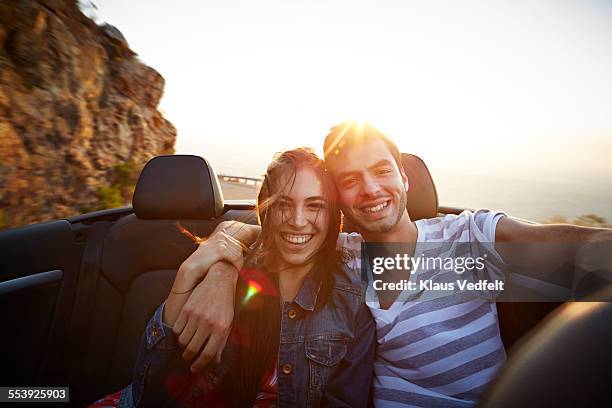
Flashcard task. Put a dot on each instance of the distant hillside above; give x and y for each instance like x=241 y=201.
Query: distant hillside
x=78 y=113
x=586 y=220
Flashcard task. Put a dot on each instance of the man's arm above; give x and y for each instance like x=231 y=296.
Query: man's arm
x=206 y=317
x=543 y=249
x=510 y=230
x=513 y=230
x=218 y=247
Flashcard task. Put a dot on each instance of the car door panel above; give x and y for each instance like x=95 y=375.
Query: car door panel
x=39 y=267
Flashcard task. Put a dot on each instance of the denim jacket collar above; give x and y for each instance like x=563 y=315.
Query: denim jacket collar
x=306 y=297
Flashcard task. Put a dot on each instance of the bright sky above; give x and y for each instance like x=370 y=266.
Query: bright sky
x=519 y=88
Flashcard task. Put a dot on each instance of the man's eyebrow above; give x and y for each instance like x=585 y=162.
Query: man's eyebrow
x=380 y=163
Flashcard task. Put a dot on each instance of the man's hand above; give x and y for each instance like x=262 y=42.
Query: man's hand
x=208 y=315
x=594 y=268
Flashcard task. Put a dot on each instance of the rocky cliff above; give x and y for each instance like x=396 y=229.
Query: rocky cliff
x=78 y=113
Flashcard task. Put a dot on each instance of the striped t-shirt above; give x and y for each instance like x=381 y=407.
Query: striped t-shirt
x=440 y=352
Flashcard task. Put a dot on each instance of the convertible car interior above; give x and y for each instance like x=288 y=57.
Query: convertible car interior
x=76 y=294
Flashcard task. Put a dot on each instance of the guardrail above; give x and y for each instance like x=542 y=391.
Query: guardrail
x=239 y=179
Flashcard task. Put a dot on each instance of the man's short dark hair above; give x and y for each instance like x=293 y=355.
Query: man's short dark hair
x=343 y=136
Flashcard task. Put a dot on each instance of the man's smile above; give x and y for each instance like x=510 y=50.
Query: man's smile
x=374 y=207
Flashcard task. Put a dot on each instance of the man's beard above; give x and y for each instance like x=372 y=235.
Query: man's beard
x=384 y=227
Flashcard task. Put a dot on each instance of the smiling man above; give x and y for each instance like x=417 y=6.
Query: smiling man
x=441 y=352
x=371 y=182
x=430 y=352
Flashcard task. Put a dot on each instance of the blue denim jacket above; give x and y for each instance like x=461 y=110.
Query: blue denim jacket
x=325 y=358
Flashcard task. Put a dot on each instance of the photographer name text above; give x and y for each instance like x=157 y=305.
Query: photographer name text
x=481 y=285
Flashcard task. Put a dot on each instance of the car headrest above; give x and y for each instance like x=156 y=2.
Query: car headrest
x=177 y=187
x=422 y=196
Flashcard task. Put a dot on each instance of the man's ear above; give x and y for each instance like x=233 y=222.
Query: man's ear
x=404 y=179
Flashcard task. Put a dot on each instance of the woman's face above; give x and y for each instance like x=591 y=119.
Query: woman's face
x=300 y=218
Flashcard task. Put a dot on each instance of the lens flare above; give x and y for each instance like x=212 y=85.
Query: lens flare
x=253 y=289
x=257 y=283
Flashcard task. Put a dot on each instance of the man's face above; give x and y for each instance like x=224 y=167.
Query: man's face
x=371 y=188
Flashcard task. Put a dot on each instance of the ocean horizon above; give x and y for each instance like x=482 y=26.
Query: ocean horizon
x=535 y=200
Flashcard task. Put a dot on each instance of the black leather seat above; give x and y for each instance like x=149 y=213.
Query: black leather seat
x=140 y=257
x=565 y=362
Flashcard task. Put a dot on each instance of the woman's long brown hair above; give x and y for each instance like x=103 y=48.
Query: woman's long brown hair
x=257 y=322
